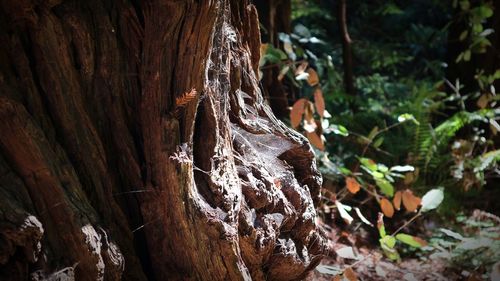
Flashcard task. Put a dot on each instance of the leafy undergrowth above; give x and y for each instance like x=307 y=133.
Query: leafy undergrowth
x=471 y=251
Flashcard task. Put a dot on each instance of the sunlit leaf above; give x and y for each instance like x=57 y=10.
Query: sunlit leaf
x=346 y=253
x=368 y=163
x=432 y=199
x=339 y=130
x=302 y=76
x=313 y=78
x=386 y=207
x=407 y=117
x=411 y=240
x=385 y=187
x=352 y=185
x=377 y=175
x=403 y=169
x=319 y=102
x=410 y=201
x=397 y=200
x=297 y=112
x=380 y=225
x=310 y=126
x=316 y=140
x=363 y=218
x=343 y=212
x=388 y=241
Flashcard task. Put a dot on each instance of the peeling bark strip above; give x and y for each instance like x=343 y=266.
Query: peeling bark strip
x=135 y=144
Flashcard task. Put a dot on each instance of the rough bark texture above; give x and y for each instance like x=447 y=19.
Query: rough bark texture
x=112 y=167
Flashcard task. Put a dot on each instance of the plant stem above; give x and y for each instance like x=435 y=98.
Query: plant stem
x=407 y=223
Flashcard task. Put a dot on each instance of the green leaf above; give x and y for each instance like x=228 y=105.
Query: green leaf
x=385 y=186
x=373 y=133
x=463 y=35
x=380 y=225
x=411 y=240
x=407 y=117
x=483 y=11
x=368 y=163
x=432 y=199
x=377 y=175
x=345 y=171
x=378 y=142
x=382 y=168
x=388 y=241
x=339 y=130
x=467 y=55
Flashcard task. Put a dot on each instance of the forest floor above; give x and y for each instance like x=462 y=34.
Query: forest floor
x=368 y=262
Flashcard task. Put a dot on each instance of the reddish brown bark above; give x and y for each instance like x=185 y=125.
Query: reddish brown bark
x=110 y=169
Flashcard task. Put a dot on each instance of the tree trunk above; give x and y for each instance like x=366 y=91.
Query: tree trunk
x=135 y=144
x=346 y=50
x=275 y=17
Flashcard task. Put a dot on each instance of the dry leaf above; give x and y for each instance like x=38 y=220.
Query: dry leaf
x=297 y=112
x=319 y=102
x=346 y=253
x=397 y=200
x=352 y=185
x=420 y=241
x=309 y=111
x=313 y=78
x=337 y=278
x=183 y=100
x=386 y=207
x=316 y=140
x=301 y=68
x=483 y=100
x=410 y=201
x=350 y=274
x=283 y=72
x=310 y=125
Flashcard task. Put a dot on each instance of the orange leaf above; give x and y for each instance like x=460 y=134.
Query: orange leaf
x=313 y=78
x=297 y=112
x=350 y=274
x=319 y=101
x=316 y=140
x=420 y=241
x=397 y=200
x=410 y=201
x=386 y=207
x=301 y=68
x=352 y=185
x=309 y=111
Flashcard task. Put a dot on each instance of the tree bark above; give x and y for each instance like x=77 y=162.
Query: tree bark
x=135 y=144
x=346 y=49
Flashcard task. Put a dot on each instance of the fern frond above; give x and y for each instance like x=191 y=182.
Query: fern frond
x=183 y=100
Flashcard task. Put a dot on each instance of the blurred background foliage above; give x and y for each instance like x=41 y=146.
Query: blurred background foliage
x=423 y=108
